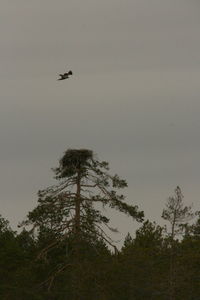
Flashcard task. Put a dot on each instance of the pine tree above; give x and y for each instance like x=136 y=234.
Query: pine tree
x=178 y=216
x=71 y=208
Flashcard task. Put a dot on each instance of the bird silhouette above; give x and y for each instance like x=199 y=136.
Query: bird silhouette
x=65 y=75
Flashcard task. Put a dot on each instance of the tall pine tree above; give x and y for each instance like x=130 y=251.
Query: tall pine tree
x=71 y=209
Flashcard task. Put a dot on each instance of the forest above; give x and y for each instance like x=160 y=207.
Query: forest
x=65 y=249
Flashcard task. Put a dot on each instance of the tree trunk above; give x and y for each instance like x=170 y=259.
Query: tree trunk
x=172 y=271
x=77 y=279
x=77 y=206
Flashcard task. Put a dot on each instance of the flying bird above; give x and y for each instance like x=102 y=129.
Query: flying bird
x=65 y=75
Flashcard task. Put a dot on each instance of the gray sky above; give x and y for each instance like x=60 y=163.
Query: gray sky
x=133 y=98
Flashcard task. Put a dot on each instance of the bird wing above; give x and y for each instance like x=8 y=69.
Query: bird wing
x=65 y=75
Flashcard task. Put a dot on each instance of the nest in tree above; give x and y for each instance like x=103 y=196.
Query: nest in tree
x=73 y=160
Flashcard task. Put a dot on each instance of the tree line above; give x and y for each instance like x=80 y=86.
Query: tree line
x=65 y=249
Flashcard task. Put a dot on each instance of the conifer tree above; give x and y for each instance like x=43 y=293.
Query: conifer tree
x=71 y=208
x=176 y=213
x=178 y=216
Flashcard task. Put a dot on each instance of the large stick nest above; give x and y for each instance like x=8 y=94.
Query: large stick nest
x=74 y=160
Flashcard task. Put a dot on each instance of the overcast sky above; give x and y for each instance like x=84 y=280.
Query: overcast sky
x=133 y=99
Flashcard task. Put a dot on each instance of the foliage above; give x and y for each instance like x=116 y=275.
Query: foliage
x=176 y=213
x=70 y=216
x=56 y=260
x=73 y=204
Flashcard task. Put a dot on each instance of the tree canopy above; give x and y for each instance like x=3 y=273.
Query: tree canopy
x=64 y=250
